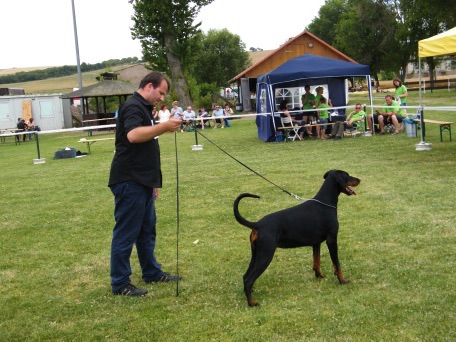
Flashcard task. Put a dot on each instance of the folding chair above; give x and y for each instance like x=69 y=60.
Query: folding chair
x=358 y=128
x=291 y=133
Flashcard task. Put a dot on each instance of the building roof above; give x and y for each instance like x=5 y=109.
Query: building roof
x=102 y=89
x=303 y=43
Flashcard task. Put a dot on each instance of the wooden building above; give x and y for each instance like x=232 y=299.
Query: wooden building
x=303 y=43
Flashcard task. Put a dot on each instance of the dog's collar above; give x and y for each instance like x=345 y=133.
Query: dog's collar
x=328 y=205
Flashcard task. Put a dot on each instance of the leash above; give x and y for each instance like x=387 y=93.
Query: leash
x=177 y=215
x=261 y=176
x=328 y=205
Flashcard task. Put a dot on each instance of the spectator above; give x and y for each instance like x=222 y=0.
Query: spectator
x=164 y=113
x=188 y=117
x=401 y=93
x=227 y=112
x=324 y=116
x=308 y=102
x=134 y=181
x=283 y=107
x=319 y=91
x=176 y=111
x=353 y=119
x=155 y=113
x=30 y=126
x=202 y=113
x=217 y=116
x=391 y=114
x=22 y=126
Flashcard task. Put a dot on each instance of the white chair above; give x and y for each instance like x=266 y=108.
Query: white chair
x=293 y=132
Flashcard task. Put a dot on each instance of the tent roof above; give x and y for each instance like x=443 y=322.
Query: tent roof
x=312 y=66
x=104 y=88
x=439 y=45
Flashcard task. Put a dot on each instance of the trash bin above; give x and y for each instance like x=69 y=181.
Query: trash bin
x=238 y=107
x=410 y=128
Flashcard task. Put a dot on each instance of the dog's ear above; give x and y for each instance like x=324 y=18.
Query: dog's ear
x=327 y=174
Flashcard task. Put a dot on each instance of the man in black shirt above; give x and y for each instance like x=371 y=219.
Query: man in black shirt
x=134 y=180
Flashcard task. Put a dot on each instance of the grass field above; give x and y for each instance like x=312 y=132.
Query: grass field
x=396 y=242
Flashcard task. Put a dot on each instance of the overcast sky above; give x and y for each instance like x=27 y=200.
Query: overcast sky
x=40 y=32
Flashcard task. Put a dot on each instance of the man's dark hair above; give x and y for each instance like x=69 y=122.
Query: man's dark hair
x=283 y=104
x=154 y=77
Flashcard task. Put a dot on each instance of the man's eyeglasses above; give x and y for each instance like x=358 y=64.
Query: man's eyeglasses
x=357 y=107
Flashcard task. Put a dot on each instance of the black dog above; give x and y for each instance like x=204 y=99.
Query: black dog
x=307 y=224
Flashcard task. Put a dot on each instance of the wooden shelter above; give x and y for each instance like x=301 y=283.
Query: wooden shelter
x=101 y=90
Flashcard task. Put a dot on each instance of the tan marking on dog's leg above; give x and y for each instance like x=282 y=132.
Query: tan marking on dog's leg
x=340 y=277
x=253 y=236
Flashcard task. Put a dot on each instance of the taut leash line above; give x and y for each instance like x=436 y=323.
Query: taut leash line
x=250 y=169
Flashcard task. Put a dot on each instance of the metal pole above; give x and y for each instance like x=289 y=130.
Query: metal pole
x=196 y=134
x=37 y=145
x=77 y=46
x=78 y=63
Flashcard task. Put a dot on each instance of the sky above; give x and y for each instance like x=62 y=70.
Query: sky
x=41 y=33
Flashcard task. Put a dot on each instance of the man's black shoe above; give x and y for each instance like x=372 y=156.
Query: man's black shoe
x=131 y=290
x=166 y=277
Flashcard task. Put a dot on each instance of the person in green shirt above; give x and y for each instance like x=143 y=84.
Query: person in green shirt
x=391 y=113
x=308 y=102
x=324 y=116
x=401 y=93
x=353 y=119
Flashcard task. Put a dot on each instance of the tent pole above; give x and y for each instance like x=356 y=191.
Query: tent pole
x=422 y=146
x=371 y=104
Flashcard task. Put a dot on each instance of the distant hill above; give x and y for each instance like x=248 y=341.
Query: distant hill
x=65 y=84
x=11 y=71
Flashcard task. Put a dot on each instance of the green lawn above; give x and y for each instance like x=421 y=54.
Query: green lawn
x=396 y=242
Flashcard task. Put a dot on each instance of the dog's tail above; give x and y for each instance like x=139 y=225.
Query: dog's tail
x=238 y=216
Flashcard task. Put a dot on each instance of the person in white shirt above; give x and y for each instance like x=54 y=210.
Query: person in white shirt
x=218 y=116
x=228 y=112
x=164 y=113
x=188 y=117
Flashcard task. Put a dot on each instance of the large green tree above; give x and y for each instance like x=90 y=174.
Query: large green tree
x=362 y=29
x=226 y=55
x=324 y=26
x=383 y=33
x=165 y=29
x=367 y=33
x=421 y=19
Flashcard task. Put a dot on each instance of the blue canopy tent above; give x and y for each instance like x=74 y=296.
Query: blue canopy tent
x=297 y=72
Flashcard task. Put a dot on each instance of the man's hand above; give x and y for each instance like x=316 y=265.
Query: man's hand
x=172 y=124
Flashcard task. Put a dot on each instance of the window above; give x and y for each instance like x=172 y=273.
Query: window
x=4 y=110
x=292 y=95
x=47 y=109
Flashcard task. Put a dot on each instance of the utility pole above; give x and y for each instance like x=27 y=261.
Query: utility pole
x=77 y=46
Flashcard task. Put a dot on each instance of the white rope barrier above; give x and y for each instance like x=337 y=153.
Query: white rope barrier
x=91 y=128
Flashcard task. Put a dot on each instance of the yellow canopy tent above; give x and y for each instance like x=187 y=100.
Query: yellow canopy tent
x=442 y=44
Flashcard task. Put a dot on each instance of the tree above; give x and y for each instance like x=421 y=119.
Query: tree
x=421 y=19
x=225 y=53
x=165 y=29
x=367 y=33
x=324 y=26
